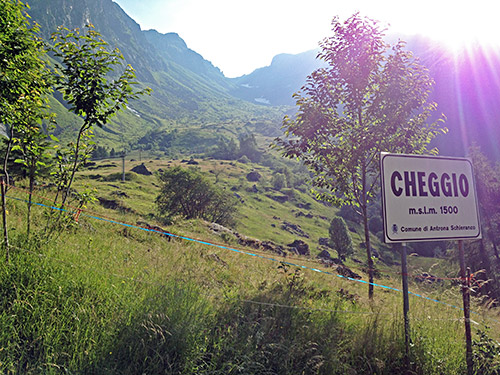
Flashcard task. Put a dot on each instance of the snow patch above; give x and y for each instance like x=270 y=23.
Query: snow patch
x=133 y=111
x=262 y=100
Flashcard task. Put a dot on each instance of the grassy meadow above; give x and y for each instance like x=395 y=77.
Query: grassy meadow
x=100 y=297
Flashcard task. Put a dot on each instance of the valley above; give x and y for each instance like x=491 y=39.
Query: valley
x=105 y=270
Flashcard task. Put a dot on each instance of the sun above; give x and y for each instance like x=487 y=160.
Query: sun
x=455 y=24
x=459 y=34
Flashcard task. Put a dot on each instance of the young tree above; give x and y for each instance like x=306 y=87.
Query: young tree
x=370 y=97
x=23 y=79
x=340 y=237
x=85 y=82
x=278 y=181
x=248 y=147
x=488 y=191
x=32 y=146
x=226 y=149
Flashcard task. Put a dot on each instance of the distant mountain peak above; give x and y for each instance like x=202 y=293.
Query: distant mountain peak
x=171 y=37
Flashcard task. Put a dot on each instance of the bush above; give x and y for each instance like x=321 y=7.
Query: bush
x=349 y=213
x=375 y=224
x=226 y=149
x=278 y=181
x=248 y=147
x=188 y=193
x=340 y=237
x=244 y=159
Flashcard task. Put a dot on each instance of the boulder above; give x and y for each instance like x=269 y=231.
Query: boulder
x=306 y=206
x=254 y=176
x=141 y=169
x=324 y=241
x=271 y=246
x=278 y=198
x=324 y=255
x=220 y=229
x=250 y=242
x=347 y=272
x=113 y=204
x=307 y=216
x=332 y=262
x=120 y=194
x=294 y=229
x=299 y=247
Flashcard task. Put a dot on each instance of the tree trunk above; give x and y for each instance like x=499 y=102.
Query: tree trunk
x=5 y=181
x=4 y=220
x=368 y=252
x=491 y=234
x=491 y=290
x=364 y=213
x=32 y=185
x=75 y=166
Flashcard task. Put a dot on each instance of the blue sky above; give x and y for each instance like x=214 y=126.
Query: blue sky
x=239 y=36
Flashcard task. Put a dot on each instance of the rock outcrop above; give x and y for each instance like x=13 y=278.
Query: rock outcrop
x=142 y=169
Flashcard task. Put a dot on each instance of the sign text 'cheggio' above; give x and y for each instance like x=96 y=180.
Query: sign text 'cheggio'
x=423 y=184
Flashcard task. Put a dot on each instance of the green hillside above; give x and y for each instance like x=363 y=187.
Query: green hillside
x=105 y=295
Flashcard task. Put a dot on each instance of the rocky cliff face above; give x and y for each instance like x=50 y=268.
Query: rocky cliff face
x=116 y=27
x=187 y=89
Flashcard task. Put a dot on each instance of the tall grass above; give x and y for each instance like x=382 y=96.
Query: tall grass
x=108 y=299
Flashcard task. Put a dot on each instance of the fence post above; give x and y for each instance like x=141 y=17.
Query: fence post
x=123 y=166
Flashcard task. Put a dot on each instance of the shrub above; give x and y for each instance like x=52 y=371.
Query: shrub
x=340 y=237
x=248 y=147
x=349 y=213
x=375 y=224
x=188 y=193
x=244 y=159
x=278 y=181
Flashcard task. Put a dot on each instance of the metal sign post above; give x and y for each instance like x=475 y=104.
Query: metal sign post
x=406 y=301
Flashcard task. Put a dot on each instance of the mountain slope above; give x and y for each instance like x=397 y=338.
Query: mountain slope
x=467 y=90
x=187 y=89
x=172 y=48
x=275 y=84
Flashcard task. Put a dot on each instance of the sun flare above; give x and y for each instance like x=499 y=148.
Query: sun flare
x=457 y=25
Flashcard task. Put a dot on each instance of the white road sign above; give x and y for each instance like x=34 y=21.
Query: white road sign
x=428 y=198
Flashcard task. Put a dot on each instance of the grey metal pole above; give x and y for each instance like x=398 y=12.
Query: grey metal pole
x=466 y=300
x=406 y=303
x=123 y=166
